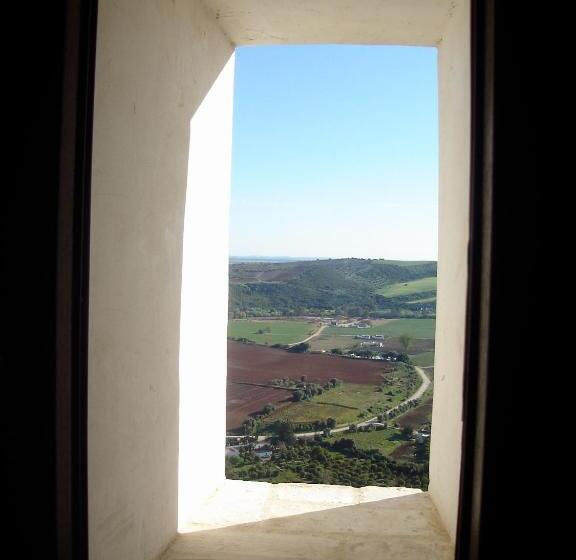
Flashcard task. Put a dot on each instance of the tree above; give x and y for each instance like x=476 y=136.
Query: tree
x=344 y=444
x=405 y=341
x=299 y=348
x=268 y=409
x=331 y=423
x=319 y=454
x=298 y=396
x=285 y=432
x=407 y=431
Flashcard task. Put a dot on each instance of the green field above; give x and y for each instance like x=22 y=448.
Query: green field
x=423 y=359
x=423 y=300
x=343 y=403
x=308 y=411
x=406 y=288
x=349 y=402
x=385 y=441
x=271 y=332
x=416 y=328
x=327 y=342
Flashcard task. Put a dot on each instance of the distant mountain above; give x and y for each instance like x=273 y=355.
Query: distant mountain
x=251 y=259
x=330 y=286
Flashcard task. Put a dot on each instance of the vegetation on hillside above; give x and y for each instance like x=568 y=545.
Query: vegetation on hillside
x=352 y=287
x=338 y=462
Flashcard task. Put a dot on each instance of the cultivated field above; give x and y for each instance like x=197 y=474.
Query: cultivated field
x=386 y=441
x=425 y=359
x=272 y=331
x=348 y=342
x=243 y=400
x=416 y=328
x=421 y=331
x=259 y=364
x=422 y=300
x=417 y=417
x=250 y=366
x=421 y=285
x=347 y=404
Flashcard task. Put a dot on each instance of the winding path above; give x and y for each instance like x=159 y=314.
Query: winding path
x=419 y=392
x=315 y=334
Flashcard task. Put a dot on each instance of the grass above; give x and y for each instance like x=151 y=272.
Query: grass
x=273 y=332
x=350 y=395
x=328 y=342
x=423 y=359
x=309 y=411
x=423 y=300
x=348 y=403
x=406 y=288
x=385 y=441
x=416 y=328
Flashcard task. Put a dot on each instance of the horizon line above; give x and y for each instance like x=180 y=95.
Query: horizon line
x=325 y=258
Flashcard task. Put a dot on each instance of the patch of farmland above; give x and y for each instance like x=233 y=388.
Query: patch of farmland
x=271 y=331
x=351 y=395
x=347 y=342
x=344 y=403
x=386 y=441
x=424 y=359
x=304 y=412
x=243 y=400
x=418 y=416
x=404 y=452
x=260 y=364
x=328 y=342
x=423 y=300
x=422 y=285
x=416 y=328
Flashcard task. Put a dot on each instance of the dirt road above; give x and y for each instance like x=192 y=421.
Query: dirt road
x=318 y=332
x=420 y=391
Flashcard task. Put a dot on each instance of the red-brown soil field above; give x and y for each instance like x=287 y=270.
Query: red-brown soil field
x=417 y=416
x=258 y=364
x=243 y=400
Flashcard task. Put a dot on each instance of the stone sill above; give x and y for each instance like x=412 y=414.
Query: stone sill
x=258 y=520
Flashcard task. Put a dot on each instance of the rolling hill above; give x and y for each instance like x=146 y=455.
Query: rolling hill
x=369 y=287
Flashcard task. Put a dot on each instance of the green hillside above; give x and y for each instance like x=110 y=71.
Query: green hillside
x=354 y=287
x=422 y=285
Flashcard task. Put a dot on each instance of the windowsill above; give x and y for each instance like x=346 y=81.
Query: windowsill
x=260 y=520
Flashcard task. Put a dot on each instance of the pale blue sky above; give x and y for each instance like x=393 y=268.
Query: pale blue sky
x=335 y=152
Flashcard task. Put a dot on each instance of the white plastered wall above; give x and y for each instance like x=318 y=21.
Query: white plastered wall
x=156 y=61
x=204 y=312
x=453 y=197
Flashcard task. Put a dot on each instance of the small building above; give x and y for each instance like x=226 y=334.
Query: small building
x=263 y=453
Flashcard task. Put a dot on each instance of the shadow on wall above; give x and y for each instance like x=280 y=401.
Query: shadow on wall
x=403 y=528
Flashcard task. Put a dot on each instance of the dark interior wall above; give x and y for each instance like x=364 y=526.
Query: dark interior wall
x=29 y=226
x=504 y=462
x=46 y=71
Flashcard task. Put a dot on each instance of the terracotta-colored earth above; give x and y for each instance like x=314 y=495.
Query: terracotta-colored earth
x=249 y=363
x=418 y=416
x=243 y=400
x=259 y=364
